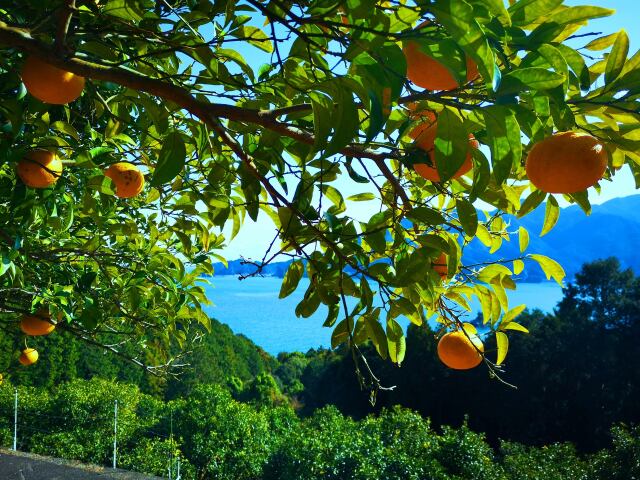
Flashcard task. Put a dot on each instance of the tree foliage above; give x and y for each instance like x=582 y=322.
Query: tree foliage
x=216 y=437
x=294 y=111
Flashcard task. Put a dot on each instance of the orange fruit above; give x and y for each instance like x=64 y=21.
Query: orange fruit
x=38 y=324
x=430 y=74
x=440 y=266
x=29 y=356
x=457 y=351
x=128 y=178
x=566 y=162
x=425 y=137
x=39 y=169
x=50 y=84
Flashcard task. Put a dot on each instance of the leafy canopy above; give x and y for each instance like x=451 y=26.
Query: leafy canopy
x=245 y=108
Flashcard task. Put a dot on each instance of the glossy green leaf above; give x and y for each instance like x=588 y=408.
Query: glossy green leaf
x=502 y=344
x=291 y=279
x=617 y=57
x=503 y=133
x=551 y=268
x=532 y=78
x=523 y=239
x=396 y=342
x=525 y=12
x=468 y=216
x=451 y=144
x=551 y=215
x=171 y=160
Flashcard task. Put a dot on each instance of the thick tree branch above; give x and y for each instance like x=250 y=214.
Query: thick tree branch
x=207 y=112
x=64 y=22
x=22 y=40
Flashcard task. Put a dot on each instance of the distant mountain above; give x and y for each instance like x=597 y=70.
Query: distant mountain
x=612 y=229
x=244 y=267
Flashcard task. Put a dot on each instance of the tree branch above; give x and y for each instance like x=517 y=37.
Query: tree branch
x=64 y=22
x=22 y=40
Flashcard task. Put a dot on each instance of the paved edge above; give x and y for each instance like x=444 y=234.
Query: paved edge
x=103 y=472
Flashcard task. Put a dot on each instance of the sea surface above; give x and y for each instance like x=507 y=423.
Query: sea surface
x=251 y=307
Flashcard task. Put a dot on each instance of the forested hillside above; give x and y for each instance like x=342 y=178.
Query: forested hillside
x=585 y=378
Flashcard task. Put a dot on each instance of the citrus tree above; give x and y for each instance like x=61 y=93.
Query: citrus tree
x=136 y=132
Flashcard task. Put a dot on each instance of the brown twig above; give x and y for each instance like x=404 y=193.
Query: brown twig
x=64 y=23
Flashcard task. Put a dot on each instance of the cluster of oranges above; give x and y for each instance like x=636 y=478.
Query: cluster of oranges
x=566 y=162
x=35 y=325
x=42 y=168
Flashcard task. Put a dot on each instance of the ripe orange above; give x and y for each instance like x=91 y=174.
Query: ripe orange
x=39 y=169
x=566 y=162
x=456 y=351
x=425 y=138
x=440 y=266
x=50 y=84
x=127 y=177
x=430 y=74
x=38 y=324
x=29 y=356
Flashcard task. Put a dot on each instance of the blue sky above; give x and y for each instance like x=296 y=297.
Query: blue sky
x=253 y=238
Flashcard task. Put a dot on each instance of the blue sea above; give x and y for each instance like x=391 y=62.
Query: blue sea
x=251 y=307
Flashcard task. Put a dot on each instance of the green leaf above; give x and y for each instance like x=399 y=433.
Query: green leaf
x=556 y=25
x=345 y=121
x=503 y=134
x=335 y=196
x=355 y=176
x=426 y=216
x=502 y=343
x=171 y=160
x=525 y=12
x=551 y=268
x=515 y=326
x=254 y=36
x=322 y=106
x=523 y=239
x=531 y=78
x=451 y=144
x=518 y=267
x=602 y=43
x=512 y=314
x=376 y=333
x=291 y=279
x=551 y=215
x=553 y=56
x=468 y=216
x=309 y=303
x=396 y=342
x=458 y=18
x=125 y=9
x=497 y=8
x=361 y=197
x=5 y=265
x=64 y=127
x=577 y=64
x=340 y=334
x=481 y=174
x=531 y=202
x=102 y=184
x=617 y=57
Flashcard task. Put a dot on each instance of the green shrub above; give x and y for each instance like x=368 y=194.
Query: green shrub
x=557 y=461
x=622 y=462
